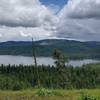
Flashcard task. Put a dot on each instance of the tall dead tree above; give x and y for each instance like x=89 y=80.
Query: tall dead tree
x=35 y=61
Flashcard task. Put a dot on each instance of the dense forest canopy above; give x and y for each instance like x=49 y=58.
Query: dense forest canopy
x=23 y=77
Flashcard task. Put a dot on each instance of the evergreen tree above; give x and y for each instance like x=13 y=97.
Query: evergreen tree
x=60 y=68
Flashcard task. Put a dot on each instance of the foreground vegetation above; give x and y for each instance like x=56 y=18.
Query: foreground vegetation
x=65 y=95
x=58 y=82
x=24 y=77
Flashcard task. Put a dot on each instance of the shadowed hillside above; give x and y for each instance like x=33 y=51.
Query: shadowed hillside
x=73 y=49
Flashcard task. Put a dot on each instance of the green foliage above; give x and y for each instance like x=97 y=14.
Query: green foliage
x=47 y=92
x=17 y=77
x=31 y=94
x=87 y=97
x=12 y=83
x=73 y=49
x=59 y=57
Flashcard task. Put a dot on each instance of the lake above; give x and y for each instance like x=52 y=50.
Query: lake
x=6 y=59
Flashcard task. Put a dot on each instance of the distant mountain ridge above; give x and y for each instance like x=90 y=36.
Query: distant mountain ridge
x=72 y=49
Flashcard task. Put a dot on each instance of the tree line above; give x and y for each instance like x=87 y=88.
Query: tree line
x=16 y=77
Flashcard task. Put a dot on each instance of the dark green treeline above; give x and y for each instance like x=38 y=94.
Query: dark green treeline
x=13 y=77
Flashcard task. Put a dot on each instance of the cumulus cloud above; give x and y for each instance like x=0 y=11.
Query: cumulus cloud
x=22 y=19
x=23 y=34
x=82 y=9
x=27 y=13
x=79 y=19
x=54 y=8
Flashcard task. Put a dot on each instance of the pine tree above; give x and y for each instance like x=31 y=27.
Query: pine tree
x=60 y=68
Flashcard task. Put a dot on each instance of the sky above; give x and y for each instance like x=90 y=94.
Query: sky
x=20 y=20
x=54 y=3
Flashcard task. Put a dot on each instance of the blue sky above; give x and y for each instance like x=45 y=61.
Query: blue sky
x=60 y=3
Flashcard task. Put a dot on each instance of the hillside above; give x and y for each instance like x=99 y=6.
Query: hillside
x=71 y=48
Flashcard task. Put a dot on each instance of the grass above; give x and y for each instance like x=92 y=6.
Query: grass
x=44 y=94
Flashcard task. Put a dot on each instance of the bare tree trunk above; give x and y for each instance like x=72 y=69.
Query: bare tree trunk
x=35 y=62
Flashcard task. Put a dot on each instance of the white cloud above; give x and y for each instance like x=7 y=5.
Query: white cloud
x=54 y=8
x=21 y=33
x=31 y=15
x=0 y=35
x=21 y=19
x=80 y=19
x=82 y=9
x=27 y=13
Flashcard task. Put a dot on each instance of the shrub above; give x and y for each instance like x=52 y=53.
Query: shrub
x=87 y=97
x=12 y=83
x=46 y=92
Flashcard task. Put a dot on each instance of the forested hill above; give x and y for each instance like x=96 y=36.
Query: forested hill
x=72 y=49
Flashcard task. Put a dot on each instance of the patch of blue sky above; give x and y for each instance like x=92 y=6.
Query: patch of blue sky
x=59 y=3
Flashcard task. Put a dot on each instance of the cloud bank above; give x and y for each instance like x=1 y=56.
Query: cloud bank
x=27 y=17
x=82 y=9
x=80 y=19
x=22 y=19
x=26 y=13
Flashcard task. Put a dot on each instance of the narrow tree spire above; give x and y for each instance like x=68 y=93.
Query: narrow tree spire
x=35 y=61
x=34 y=52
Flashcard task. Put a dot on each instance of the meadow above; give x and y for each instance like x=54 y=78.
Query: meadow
x=59 y=95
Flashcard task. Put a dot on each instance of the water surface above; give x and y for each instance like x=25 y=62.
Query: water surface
x=6 y=59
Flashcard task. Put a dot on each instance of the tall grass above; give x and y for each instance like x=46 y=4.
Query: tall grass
x=45 y=94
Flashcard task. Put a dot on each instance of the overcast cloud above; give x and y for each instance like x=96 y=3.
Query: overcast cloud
x=26 y=13
x=22 y=19
x=80 y=19
x=81 y=9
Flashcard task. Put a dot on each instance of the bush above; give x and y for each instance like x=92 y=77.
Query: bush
x=46 y=92
x=12 y=83
x=19 y=85
x=87 y=97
